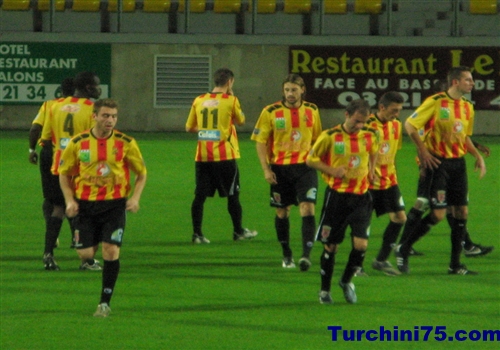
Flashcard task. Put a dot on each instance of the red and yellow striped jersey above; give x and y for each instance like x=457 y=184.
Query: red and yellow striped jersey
x=102 y=167
x=43 y=113
x=447 y=122
x=336 y=148
x=288 y=132
x=215 y=116
x=68 y=116
x=390 y=141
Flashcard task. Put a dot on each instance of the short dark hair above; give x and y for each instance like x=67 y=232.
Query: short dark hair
x=222 y=76
x=359 y=105
x=68 y=87
x=83 y=79
x=390 y=97
x=456 y=73
x=104 y=102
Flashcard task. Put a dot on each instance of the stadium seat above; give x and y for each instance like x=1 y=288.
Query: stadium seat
x=128 y=5
x=368 y=6
x=483 y=7
x=227 y=6
x=336 y=6
x=297 y=6
x=16 y=5
x=156 y=6
x=44 y=5
x=86 y=5
x=263 y=6
x=196 y=6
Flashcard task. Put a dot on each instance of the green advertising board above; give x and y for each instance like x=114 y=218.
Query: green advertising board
x=31 y=73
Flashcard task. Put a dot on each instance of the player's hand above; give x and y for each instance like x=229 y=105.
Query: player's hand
x=339 y=171
x=428 y=160
x=71 y=209
x=132 y=205
x=33 y=158
x=270 y=177
x=481 y=166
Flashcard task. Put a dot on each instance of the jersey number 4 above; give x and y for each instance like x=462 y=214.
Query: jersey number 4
x=68 y=124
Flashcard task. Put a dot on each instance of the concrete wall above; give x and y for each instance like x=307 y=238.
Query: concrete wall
x=259 y=63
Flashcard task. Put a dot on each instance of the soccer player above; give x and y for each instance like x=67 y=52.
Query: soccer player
x=420 y=206
x=67 y=117
x=67 y=88
x=448 y=120
x=95 y=177
x=284 y=135
x=384 y=188
x=346 y=156
x=213 y=117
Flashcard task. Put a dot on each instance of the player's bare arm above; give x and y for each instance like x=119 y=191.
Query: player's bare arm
x=269 y=175
x=66 y=184
x=133 y=201
x=426 y=158
x=480 y=164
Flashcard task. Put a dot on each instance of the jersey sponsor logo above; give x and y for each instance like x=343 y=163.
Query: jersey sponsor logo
x=354 y=161
x=71 y=108
x=444 y=113
x=209 y=135
x=85 y=156
x=63 y=143
x=280 y=124
x=103 y=169
x=458 y=126
x=210 y=103
x=296 y=135
x=339 y=148
x=311 y=193
x=384 y=148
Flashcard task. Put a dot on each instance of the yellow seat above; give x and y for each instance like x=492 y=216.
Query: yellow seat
x=336 y=6
x=297 y=6
x=86 y=5
x=44 y=5
x=16 y=5
x=368 y=6
x=197 y=6
x=264 y=6
x=483 y=7
x=156 y=6
x=128 y=5
x=227 y=6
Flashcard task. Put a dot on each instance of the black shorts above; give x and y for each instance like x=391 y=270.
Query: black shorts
x=341 y=210
x=221 y=176
x=297 y=183
x=54 y=194
x=446 y=185
x=387 y=201
x=99 y=221
x=45 y=165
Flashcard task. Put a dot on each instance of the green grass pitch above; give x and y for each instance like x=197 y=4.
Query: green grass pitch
x=230 y=295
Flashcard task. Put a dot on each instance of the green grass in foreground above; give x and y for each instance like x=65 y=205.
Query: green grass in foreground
x=229 y=295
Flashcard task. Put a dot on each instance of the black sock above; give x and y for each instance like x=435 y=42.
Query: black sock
x=356 y=258
x=413 y=218
x=197 y=214
x=110 y=272
x=420 y=230
x=283 y=232
x=236 y=213
x=52 y=233
x=388 y=239
x=457 y=235
x=308 y=234
x=327 y=261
